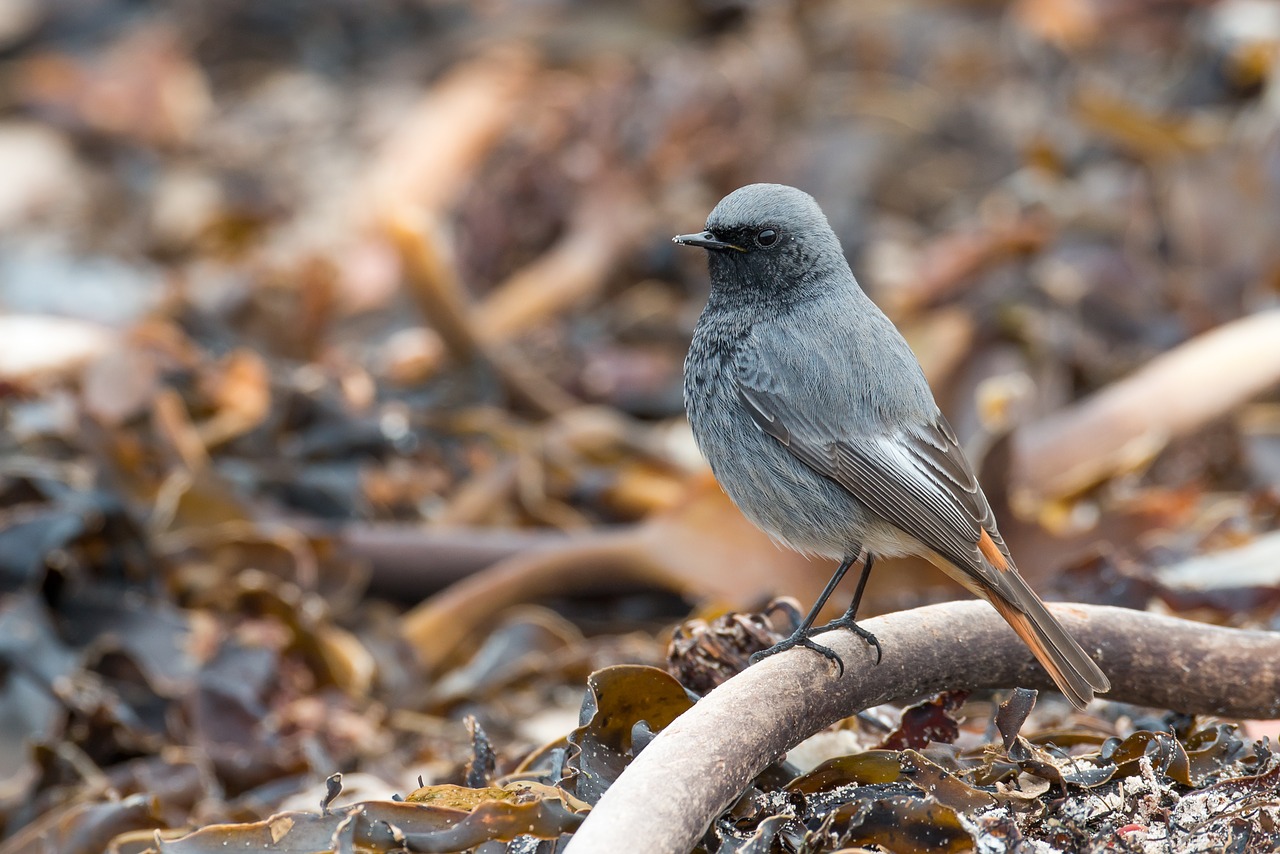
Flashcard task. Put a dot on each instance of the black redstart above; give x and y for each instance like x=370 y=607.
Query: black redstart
x=819 y=424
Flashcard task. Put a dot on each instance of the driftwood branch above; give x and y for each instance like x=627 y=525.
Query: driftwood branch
x=699 y=764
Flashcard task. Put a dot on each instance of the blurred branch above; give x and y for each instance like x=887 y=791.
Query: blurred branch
x=736 y=564
x=698 y=765
x=569 y=273
x=435 y=150
x=434 y=283
x=1146 y=134
x=1123 y=426
x=1253 y=565
x=433 y=279
x=396 y=553
x=950 y=261
x=607 y=224
x=447 y=622
x=417 y=177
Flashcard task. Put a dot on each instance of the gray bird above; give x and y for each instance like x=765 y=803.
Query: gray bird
x=817 y=421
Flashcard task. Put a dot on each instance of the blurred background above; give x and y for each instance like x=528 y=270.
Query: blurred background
x=341 y=347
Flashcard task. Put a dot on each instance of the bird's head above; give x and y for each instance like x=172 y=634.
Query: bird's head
x=768 y=240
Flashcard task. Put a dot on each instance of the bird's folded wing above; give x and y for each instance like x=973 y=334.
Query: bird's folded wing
x=915 y=476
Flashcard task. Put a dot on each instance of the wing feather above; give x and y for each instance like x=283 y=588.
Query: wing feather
x=914 y=476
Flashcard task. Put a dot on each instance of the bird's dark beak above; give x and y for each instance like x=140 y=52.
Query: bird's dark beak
x=706 y=240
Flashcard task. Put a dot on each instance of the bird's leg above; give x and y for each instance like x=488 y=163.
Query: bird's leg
x=801 y=636
x=848 y=621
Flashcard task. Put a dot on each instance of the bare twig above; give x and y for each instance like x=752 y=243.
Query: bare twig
x=695 y=768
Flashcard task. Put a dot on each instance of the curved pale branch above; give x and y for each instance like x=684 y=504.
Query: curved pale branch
x=695 y=768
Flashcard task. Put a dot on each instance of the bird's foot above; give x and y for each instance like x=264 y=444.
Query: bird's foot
x=800 y=639
x=847 y=622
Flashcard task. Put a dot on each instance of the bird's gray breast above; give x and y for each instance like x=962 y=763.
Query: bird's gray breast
x=776 y=491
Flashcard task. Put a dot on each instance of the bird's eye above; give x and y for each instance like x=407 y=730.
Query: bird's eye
x=766 y=237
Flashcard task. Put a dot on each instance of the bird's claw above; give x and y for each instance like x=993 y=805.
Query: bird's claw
x=805 y=639
x=848 y=623
x=800 y=640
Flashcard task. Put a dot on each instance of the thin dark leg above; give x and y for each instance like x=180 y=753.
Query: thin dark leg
x=812 y=616
x=862 y=585
x=802 y=635
x=847 y=621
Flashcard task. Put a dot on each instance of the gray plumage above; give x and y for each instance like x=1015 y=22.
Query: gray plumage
x=818 y=422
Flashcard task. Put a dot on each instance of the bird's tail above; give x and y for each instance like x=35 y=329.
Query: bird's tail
x=1071 y=668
